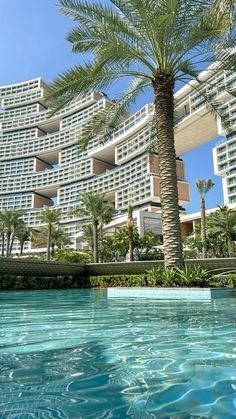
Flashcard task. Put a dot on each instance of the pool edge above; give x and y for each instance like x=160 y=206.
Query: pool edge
x=171 y=293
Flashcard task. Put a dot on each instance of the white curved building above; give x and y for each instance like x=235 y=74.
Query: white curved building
x=40 y=165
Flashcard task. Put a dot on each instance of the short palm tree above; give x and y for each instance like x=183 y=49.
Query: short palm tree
x=152 y=44
x=223 y=223
x=203 y=186
x=23 y=235
x=10 y=220
x=49 y=216
x=95 y=209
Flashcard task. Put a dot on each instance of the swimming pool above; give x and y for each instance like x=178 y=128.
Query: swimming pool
x=77 y=354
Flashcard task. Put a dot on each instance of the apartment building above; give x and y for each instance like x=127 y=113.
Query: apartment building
x=40 y=165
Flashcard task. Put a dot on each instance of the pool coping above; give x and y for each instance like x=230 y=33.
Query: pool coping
x=171 y=293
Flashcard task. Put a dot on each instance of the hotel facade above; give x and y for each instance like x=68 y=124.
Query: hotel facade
x=40 y=165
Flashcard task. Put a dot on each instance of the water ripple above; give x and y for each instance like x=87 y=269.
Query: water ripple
x=75 y=354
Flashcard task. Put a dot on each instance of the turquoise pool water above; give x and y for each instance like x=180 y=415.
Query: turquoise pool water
x=76 y=354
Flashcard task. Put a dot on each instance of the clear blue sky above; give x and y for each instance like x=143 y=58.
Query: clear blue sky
x=33 y=44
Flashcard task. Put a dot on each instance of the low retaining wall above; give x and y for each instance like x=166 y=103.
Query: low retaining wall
x=132 y=268
x=202 y=294
x=28 y=267
x=32 y=267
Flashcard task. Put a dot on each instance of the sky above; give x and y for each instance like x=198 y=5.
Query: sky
x=33 y=44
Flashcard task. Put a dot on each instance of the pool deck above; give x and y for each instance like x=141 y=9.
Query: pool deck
x=171 y=293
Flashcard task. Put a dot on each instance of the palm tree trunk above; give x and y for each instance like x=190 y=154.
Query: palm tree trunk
x=164 y=112
x=95 y=242
x=131 y=243
x=100 y=243
x=229 y=246
x=3 y=243
x=11 y=244
x=49 y=241
x=53 y=249
x=21 y=248
x=8 y=243
x=203 y=229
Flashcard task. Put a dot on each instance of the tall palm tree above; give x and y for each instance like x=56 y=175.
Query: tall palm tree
x=203 y=186
x=98 y=211
x=223 y=222
x=49 y=216
x=151 y=44
x=87 y=230
x=130 y=227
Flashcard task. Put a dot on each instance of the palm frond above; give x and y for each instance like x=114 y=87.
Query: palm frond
x=204 y=186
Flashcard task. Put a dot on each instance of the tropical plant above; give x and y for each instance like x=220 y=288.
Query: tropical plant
x=49 y=216
x=194 y=275
x=95 y=209
x=203 y=187
x=10 y=220
x=121 y=241
x=223 y=223
x=146 y=247
x=155 y=276
x=108 y=251
x=71 y=255
x=189 y=275
x=152 y=44
x=23 y=235
x=59 y=238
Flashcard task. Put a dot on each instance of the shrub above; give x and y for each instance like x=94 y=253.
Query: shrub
x=12 y=282
x=155 y=276
x=223 y=280
x=118 y=281
x=193 y=276
x=70 y=255
x=189 y=276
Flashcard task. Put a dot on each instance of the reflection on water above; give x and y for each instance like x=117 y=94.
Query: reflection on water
x=75 y=354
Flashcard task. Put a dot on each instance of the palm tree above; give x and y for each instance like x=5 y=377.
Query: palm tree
x=223 y=223
x=49 y=216
x=59 y=238
x=150 y=44
x=10 y=221
x=22 y=235
x=130 y=227
x=203 y=187
x=98 y=211
x=87 y=231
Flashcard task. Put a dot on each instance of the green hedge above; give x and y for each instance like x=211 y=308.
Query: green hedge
x=119 y=281
x=153 y=278
x=169 y=279
x=12 y=282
